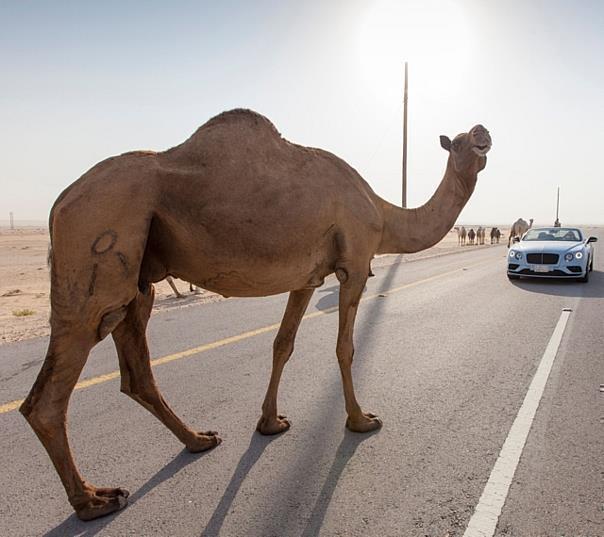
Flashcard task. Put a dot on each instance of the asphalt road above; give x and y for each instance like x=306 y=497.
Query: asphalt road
x=446 y=349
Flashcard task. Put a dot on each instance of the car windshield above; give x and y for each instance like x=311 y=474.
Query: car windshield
x=553 y=234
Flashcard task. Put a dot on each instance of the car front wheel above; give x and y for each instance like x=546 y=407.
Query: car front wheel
x=585 y=278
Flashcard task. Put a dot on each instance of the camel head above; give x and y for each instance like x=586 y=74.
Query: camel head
x=467 y=151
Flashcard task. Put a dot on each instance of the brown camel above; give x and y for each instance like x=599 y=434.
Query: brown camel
x=235 y=209
x=471 y=236
x=461 y=235
x=495 y=235
x=519 y=228
x=480 y=234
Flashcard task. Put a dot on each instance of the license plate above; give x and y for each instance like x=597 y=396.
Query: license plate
x=541 y=268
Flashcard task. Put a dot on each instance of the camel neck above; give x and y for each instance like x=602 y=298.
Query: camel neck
x=412 y=230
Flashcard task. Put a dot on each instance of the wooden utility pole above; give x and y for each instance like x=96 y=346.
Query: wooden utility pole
x=405 y=142
x=557 y=222
x=12 y=222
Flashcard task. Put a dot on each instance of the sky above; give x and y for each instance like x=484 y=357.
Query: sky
x=82 y=81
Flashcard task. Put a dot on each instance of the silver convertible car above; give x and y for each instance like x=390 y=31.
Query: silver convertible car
x=552 y=252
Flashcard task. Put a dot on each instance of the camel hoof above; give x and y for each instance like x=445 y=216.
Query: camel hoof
x=102 y=502
x=204 y=441
x=367 y=423
x=269 y=426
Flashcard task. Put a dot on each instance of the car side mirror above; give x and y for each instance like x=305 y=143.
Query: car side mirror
x=592 y=239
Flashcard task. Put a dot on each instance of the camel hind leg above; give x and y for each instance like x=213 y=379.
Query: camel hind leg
x=45 y=408
x=84 y=309
x=137 y=377
x=93 y=279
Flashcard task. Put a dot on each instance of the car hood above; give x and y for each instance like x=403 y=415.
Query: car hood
x=559 y=247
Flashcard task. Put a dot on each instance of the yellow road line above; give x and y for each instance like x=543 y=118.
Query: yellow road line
x=100 y=379
x=13 y=405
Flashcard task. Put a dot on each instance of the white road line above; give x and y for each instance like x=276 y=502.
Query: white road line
x=485 y=517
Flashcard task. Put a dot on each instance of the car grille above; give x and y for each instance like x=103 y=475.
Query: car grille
x=556 y=272
x=542 y=259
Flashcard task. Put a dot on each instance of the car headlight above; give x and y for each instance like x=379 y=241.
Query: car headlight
x=568 y=257
x=518 y=255
x=512 y=253
x=579 y=255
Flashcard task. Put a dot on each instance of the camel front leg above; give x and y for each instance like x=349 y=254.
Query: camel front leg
x=137 y=377
x=350 y=296
x=283 y=347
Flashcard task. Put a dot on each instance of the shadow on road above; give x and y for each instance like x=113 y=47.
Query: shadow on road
x=74 y=526
x=257 y=446
x=329 y=300
x=563 y=287
x=345 y=451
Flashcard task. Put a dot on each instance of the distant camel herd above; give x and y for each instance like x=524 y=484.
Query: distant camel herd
x=465 y=237
x=476 y=237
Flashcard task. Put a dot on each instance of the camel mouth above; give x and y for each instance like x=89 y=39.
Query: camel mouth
x=481 y=150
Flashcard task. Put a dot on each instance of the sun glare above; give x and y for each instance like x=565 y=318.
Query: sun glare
x=432 y=35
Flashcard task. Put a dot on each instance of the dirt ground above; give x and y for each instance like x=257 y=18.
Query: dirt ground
x=25 y=284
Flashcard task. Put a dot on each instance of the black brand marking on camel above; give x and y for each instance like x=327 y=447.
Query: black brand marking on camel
x=92 y=280
x=124 y=261
x=328 y=229
x=97 y=248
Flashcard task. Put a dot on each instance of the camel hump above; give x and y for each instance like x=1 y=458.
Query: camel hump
x=235 y=125
x=226 y=133
x=242 y=117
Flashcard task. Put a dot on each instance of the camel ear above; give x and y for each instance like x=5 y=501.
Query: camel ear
x=445 y=143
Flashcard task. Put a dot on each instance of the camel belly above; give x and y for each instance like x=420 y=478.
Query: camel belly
x=237 y=278
x=239 y=264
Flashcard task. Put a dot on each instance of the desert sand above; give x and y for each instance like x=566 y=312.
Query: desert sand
x=25 y=283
